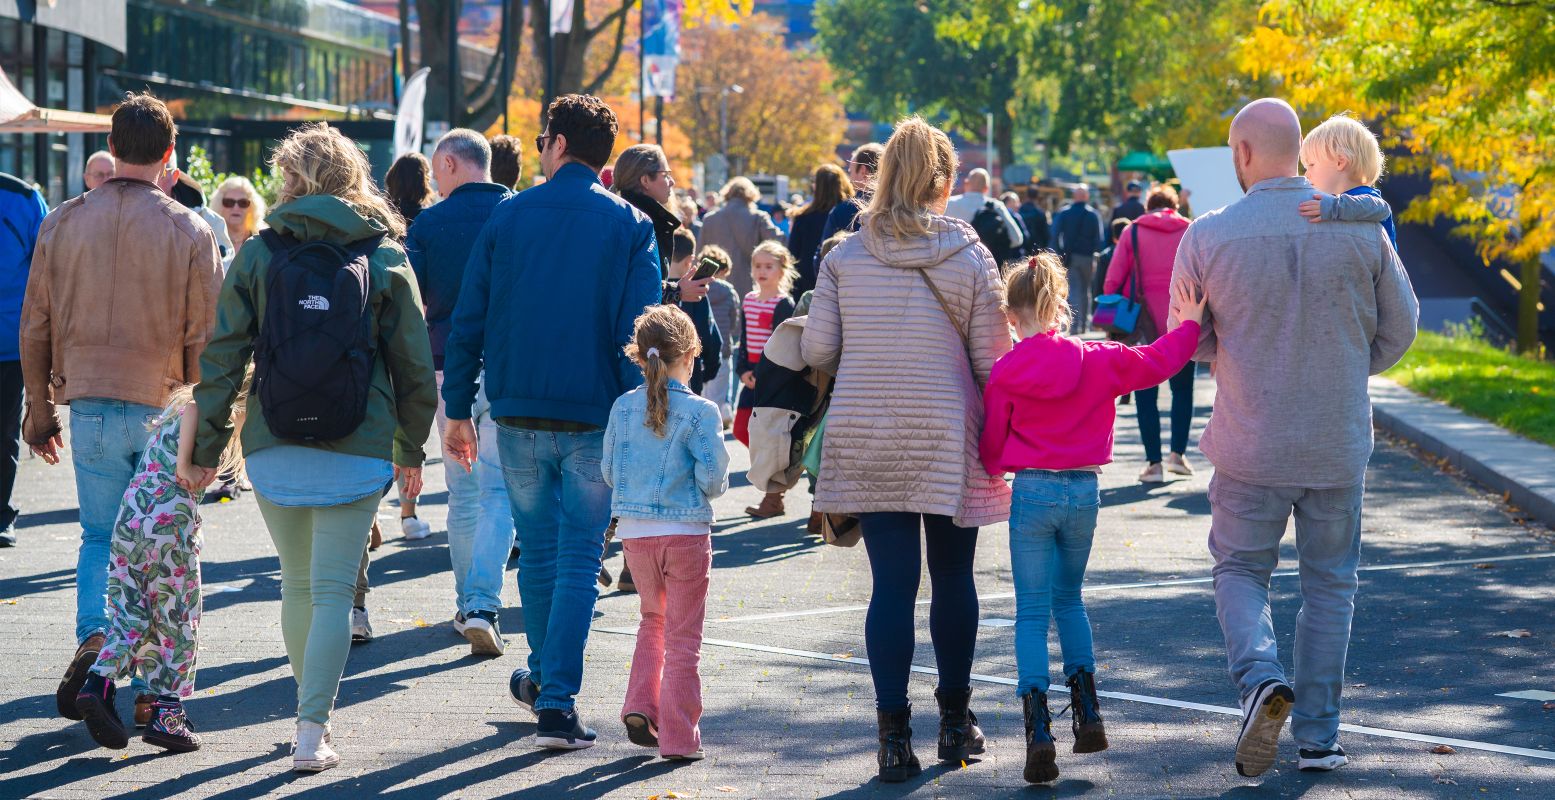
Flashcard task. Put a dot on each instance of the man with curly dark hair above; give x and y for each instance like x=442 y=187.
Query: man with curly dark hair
x=554 y=283
x=506 y=160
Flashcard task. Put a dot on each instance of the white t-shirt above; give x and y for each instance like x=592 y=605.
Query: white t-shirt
x=628 y=528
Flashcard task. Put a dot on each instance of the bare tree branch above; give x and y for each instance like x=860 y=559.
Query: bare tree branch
x=594 y=86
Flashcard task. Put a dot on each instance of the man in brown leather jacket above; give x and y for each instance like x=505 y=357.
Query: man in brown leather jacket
x=120 y=302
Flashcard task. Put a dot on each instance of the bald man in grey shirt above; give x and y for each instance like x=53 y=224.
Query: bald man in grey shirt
x=1300 y=315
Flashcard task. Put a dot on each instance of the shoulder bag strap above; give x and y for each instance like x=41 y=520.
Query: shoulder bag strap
x=966 y=344
x=1133 y=279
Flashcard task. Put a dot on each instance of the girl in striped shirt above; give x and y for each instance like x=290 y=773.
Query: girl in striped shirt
x=773 y=275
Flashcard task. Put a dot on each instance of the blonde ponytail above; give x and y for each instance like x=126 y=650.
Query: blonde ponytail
x=1037 y=291
x=916 y=169
x=662 y=336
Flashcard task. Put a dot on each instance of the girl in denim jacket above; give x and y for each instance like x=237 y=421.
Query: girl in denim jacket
x=665 y=460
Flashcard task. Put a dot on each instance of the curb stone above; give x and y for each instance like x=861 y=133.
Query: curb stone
x=1519 y=468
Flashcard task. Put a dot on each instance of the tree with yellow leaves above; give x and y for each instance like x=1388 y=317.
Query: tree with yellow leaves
x=1465 y=87
x=785 y=121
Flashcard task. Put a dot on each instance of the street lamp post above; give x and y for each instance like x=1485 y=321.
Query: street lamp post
x=723 y=118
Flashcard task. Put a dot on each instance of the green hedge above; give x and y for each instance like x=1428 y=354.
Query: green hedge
x=1468 y=373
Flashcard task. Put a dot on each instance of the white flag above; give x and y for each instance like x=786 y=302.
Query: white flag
x=408 y=119
x=561 y=16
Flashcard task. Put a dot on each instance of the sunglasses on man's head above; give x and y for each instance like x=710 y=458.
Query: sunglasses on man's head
x=234 y=202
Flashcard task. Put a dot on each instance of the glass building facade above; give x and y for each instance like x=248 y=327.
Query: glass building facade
x=54 y=54
x=237 y=75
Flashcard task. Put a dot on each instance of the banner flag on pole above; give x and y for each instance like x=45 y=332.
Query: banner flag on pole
x=410 y=115
x=561 y=16
x=661 y=46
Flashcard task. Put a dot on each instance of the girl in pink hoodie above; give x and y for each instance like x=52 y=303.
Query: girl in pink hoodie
x=1050 y=404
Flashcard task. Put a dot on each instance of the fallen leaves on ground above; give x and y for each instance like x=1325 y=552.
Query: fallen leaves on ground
x=1518 y=633
x=1443 y=750
x=1484 y=566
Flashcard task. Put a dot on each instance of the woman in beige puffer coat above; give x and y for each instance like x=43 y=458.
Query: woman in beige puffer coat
x=902 y=431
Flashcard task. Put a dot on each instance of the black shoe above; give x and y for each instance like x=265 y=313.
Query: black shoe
x=95 y=705
x=1263 y=716
x=1040 y=752
x=896 y=758
x=523 y=689
x=76 y=674
x=8 y=537
x=640 y=730
x=959 y=736
x=513 y=554
x=1090 y=735
x=1322 y=760
x=170 y=727
x=563 y=730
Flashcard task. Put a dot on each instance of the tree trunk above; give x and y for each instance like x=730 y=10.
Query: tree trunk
x=445 y=86
x=1004 y=139
x=1528 y=307
x=565 y=66
x=405 y=56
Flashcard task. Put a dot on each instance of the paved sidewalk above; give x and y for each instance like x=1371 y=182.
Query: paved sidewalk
x=789 y=708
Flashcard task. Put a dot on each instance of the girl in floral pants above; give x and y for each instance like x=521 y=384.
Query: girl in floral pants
x=154 y=587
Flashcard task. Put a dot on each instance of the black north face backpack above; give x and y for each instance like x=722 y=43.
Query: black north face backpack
x=313 y=361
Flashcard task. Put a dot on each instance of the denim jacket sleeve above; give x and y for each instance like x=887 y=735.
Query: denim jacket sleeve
x=607 y=456
x=712 y=459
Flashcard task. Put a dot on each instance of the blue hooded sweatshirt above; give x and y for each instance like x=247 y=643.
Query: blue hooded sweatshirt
x=21 y=213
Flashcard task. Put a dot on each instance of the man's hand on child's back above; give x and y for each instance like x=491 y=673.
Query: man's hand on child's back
x=1313 y=209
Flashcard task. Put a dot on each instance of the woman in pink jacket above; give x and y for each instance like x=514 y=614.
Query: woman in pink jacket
x=1147 y=249
x=1050 y=415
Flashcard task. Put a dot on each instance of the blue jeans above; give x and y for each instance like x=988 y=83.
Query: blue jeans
x=561 y=505
x=1052 y=520
x=1247 y=523
x=106 y=439
x=892 y=540
x=480 y=518
x=1149 y=414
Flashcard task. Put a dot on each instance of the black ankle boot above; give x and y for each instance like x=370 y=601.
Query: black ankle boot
x=1040 y=752
x=896 y=759
x=959 y=736
x=1090 y=735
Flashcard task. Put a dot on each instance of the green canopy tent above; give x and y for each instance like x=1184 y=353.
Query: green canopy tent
x=1141 y=161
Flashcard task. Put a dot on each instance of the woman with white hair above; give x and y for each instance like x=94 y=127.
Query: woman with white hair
x=241 y=207
x=738 y=226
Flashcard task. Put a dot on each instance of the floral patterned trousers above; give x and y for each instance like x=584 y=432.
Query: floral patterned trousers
x=154 y=591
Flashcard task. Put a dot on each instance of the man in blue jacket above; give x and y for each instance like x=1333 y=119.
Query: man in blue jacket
x=21 y=212
x=480 y=521
x=556 y=279
x=1078 y=237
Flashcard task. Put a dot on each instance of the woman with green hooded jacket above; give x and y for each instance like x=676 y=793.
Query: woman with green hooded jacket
x=319 y=499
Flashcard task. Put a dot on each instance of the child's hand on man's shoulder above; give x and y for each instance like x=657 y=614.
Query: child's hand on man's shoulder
x=1313 y=209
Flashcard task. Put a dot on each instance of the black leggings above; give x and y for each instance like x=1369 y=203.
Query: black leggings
x=892 y=540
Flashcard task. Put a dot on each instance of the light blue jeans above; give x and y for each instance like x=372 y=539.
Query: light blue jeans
x=561 y=505
x=106 y=439
x=1247 y=523
x=480 y=518
x=1052 y=520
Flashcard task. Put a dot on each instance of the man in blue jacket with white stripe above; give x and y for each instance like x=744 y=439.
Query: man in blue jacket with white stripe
x=21 y=213
x=559 y=274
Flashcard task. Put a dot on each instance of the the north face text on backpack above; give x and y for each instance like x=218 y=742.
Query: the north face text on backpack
x=314 y=302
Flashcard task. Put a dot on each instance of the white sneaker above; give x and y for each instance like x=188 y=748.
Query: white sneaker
x=459 y=624
x=313 y=753
x=1152 y=474
x=1322 y=760
x=361 y=626
x=480 y=628
x=414 y=529
x=1178 y=464
x=1263 y=716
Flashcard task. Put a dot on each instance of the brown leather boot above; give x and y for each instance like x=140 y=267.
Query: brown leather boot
x=143 y=704
x=771 y=506
x=813 y=527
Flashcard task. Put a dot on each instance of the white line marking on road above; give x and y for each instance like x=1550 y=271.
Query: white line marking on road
x=1529 y=694
x=1105 y=587
x=1366 y=730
